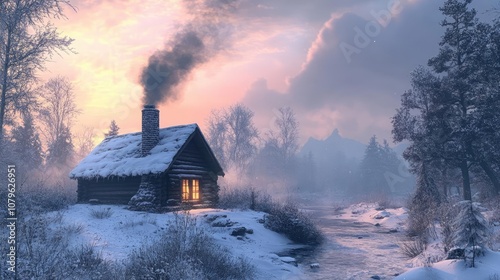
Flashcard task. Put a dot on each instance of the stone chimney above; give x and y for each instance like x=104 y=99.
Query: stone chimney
x=146 y=198
x=150 y=128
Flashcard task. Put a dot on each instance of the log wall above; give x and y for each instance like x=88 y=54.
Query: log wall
x=114 y=190
x=190 y=164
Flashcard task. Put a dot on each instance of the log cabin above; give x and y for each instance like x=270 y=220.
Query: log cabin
x=153 y=170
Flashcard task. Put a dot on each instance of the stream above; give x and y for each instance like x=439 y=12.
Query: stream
x=353 y=250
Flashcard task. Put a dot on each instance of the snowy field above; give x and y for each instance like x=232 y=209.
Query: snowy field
x=362 y=242
x=117 y=236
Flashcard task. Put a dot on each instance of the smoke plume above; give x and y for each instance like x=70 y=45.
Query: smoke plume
x=196 y=42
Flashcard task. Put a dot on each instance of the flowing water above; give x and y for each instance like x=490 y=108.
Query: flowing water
x=353 y=250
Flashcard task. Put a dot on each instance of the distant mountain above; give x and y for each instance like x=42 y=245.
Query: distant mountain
x=336 y=145
x=333 y=146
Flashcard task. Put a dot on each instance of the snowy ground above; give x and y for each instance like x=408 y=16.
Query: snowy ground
x=117 y=236
x=362 y=241
x=394 y=219
x=487 y=268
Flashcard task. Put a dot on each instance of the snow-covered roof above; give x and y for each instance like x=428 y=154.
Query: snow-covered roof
x=121 y=155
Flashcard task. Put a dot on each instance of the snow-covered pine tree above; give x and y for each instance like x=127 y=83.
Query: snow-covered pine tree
x=471 y=230
x=113 y=129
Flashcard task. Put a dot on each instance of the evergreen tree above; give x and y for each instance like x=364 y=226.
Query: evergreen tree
x=456 y=59
x=306 y=172
x=60 y=152
x=471 y=230
x=424 y=202
x=393 y=166
x=113 y=129
x=380 y=168
x=372 y=168
x=450 y=116
x=27 y=145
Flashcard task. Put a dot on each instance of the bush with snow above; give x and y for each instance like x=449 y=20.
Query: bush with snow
x=186 y=251
x=285 y=218
x=296 y=225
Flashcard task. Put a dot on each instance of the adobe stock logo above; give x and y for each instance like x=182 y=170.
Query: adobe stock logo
x=364 y=37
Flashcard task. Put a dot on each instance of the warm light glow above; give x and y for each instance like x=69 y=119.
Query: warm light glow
x=196 y=190
x=185 y=189
x=190 y=189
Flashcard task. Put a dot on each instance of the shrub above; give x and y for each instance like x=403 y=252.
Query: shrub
x=283 y=218
x=235 y=198
x=412 y=248
x=186 y=252
x=420 y=219
x=101 y=213
x=494 y=277
x=44 y=253
x=446 y=214
x=297 y=226
x=40 y=198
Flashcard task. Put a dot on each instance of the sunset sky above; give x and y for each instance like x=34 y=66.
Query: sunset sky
x=310 y=55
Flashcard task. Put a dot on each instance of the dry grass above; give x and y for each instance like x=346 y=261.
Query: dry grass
x=101 y=213
x=412 y=248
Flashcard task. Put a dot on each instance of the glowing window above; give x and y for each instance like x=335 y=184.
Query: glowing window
x=190 y=189
x=196 y=190
x=185 y=189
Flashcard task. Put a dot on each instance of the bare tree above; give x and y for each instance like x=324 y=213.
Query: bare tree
x=85 y=142
x=27 y=41
x=287 y=134
x=232 y=136
x=217 y=135
x=57 y=113
x=241 y=135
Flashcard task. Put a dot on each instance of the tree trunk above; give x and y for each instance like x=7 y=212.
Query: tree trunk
x=445 y=183
x=3 y=100
x=464 y=167
x=491 y=174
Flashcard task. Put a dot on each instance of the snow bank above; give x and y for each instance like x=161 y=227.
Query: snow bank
x=117 y=236
x=367 y=212
x=487 y=267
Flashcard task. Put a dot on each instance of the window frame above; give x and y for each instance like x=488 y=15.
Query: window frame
x=190 y=189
